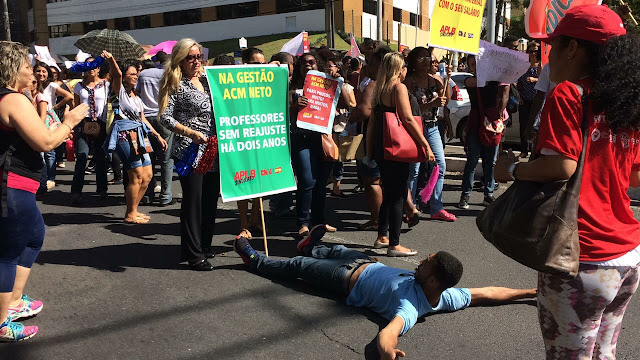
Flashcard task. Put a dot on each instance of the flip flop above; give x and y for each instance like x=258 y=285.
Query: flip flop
x=143 y=216
x=136 y=220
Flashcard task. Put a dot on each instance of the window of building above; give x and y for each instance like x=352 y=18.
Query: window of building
x=142 y=21
x=95 y=25
x=413 y=19
x=397 y=14
x=284 y=6
x=183 y=17
x=370 y=7
x=122 y=23
x=235 y=11
x=56 y=31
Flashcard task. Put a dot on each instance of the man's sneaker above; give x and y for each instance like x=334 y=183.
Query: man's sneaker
x=244 y=249
x=14 y=332
x=488 y=200
x=27 y=307
x=463 y=203
x=315 y=235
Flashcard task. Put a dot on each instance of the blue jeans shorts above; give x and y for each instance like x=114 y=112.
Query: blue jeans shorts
x=366 y=171
x=129 y=159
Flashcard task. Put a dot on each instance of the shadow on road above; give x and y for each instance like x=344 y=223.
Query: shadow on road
x=55 y=219
x=116 y=258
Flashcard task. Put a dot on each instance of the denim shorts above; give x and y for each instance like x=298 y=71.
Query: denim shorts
x=366 y=171
x=129 y=159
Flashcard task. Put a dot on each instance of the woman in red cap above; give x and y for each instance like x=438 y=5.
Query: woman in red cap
x=580 y=318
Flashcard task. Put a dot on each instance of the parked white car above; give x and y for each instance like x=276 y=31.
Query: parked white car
x=460 y=106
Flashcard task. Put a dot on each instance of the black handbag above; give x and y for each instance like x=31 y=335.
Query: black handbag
x=536 y=224
x=91 y=129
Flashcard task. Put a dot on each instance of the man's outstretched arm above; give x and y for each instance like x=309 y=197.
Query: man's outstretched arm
x=388 y=339
x=499 y=295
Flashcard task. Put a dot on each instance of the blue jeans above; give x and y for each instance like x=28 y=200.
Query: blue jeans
x=21 y=236
x=326 y=268
x=131 y=160
x=433 y=136
x=164 y=159
x=489 y=155
x=82 y=154
x=50 y=165
x=312 y=174
x=414 y=170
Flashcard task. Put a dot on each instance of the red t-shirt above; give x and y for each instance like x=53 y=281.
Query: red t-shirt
x=606 y=224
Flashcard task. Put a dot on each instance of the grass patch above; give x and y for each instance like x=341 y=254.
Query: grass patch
x=269 y=44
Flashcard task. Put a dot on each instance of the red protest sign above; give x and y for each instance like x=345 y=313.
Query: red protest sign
x=323 y=93
x=543 y=16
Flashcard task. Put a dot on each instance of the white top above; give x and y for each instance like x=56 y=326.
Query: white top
x=364 y=83
x=100 y=98
x=130 y=107
x=49 y=95
x=544 y=84
x=149 y=87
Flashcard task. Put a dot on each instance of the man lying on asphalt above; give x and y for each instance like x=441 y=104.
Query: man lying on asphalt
x=398 y=295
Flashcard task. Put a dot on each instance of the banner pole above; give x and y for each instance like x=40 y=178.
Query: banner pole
x=445 y=86
x=264 y=229
x=630 y=14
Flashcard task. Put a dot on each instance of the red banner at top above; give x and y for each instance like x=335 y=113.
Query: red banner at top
x=543 y=16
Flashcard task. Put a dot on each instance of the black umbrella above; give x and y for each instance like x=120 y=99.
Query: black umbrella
x=121 y=45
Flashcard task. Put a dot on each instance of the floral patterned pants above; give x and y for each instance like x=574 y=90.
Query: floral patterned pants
x=581 y=318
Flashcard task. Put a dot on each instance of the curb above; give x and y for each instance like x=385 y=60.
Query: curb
x=456 y=164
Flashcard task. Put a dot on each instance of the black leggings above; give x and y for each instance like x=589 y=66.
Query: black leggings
x=198 y=214
x=395 y=185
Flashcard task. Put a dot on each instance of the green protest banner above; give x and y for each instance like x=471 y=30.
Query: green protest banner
x=252 y=124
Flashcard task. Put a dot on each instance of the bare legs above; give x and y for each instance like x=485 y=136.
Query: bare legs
x=247 y=223
x=139 y=179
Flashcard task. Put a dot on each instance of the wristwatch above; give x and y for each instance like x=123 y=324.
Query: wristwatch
x=511 y=169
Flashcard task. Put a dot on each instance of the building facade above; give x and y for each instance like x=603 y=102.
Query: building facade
x=60 y=23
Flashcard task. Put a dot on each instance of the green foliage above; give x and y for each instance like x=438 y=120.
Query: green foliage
x=517 y=27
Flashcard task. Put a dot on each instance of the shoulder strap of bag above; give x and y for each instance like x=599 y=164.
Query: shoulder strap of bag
x=575 y=181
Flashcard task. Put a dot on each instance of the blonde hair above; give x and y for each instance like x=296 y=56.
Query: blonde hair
x=12 y=56
x=172 y=72
x=388 y=73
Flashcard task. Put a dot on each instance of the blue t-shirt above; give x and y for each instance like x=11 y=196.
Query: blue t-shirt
x=395 y=292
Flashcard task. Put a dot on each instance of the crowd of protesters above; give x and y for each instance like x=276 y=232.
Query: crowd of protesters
x=129 y=116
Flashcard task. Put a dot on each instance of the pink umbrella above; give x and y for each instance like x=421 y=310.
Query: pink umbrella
x=165 y=46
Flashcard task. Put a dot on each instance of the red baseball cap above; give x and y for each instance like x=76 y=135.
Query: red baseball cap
x=594 y=23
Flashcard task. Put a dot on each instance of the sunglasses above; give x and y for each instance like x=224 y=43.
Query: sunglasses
x=309 y=61
x=255 y=63
x=191 y=58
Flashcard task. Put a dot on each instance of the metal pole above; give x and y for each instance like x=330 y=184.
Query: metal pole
x=331 y=38
x=491 y=21
x=5 y=21
x=379 y=32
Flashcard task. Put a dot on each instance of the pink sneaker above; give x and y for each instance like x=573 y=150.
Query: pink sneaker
x=444 y=215
x=26 y=308
x=14 y=332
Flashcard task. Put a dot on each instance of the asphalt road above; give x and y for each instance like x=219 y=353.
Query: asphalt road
x=115 y=291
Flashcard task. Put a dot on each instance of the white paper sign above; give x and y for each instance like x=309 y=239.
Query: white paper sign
x=45 y=56
x=495 y=63
x=82 y=56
